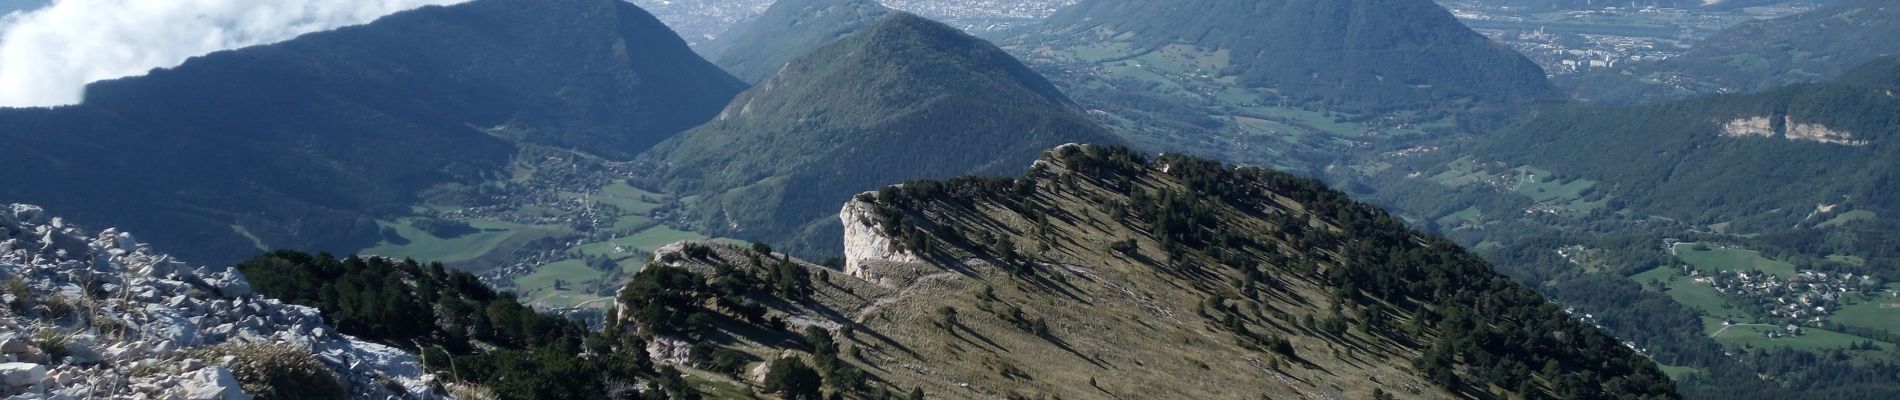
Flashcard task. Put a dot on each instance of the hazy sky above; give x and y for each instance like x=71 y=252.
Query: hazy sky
x=48 y=54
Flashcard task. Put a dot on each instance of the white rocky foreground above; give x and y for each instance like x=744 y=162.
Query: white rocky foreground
x=103 y=316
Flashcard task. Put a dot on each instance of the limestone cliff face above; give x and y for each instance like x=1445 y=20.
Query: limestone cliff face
x=1745 y=127
x=1787 y=128
x=865 y=245
x=1821 y=133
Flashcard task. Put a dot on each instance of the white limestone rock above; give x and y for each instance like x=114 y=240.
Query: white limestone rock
x=865 y=244
x=214 y=383
x=162 y=311
x=18 y=375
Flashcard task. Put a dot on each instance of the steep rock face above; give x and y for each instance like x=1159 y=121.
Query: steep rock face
x=865 y=244
x=84 y=309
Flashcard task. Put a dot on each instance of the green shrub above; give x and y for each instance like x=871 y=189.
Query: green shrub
x=277 y=371
x=791 y=379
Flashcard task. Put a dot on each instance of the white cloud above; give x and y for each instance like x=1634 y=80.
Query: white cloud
x=49 y=54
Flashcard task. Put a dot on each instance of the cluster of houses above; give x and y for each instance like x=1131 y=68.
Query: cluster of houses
x=1807 y=298
x=546 y=199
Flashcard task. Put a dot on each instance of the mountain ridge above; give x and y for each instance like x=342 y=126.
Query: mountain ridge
x=1102 y=273
x=849 y=116
x=306 y=143
x=756 y=49
x=1351 y=51
x=1832 y=143
x=1757 y=56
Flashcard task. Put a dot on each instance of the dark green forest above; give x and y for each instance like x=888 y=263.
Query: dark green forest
x=1674 y=160
x=303 y=144
x=756 y=50
x=1356 y=55
x=908 y=98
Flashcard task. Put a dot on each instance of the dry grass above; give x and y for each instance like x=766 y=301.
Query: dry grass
x=1117 y=326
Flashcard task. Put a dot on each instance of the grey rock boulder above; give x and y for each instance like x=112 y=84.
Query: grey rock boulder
x=214 y=383
x=19 y=375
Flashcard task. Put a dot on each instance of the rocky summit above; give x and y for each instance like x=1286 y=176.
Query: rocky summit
x=101 y=315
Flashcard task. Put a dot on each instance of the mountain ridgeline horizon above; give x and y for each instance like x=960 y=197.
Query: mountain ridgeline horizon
x=757 y=49
x=839 y=199
x=1360 y=54
x=306 y=143
x=1756 y=56
x=1832 y=142
x=906 y=98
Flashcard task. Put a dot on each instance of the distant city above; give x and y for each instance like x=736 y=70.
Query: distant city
x=1575 y=41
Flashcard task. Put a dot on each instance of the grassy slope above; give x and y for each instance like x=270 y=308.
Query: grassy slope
x=1120 y=326
x=1727 y=259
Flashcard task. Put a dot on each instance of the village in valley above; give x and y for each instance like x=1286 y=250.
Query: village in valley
x=1743 y=292
x=1576 y=41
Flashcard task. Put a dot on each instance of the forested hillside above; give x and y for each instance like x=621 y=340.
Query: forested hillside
x=1704 y=161
x=462 y=330
x=305 y=143
x=1647 y=219
x=908 y=98
x=1809 y=47
x=1360 y=55
x=756 y=49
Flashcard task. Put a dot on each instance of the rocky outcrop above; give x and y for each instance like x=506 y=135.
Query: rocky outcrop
x=105 y=316
x=866 y=245
x=19 y=375
x=1821 y=133
x=1787 y=128
x=1746 y=127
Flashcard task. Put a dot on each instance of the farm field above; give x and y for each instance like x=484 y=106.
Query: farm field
x=460 y=250
x=1698 y=296
x=553 y=257
x=1880 y=313
x=1813 y=339
x=1726 y=259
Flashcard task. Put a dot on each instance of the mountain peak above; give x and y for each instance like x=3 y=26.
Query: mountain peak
x=1364 y=52
x=307 y=143
x=753 y=51
x=925 y=56
x=907 y=98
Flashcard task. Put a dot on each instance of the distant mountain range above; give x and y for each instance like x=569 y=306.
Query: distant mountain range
x=1358 y=54
x=907 y=98
x=1809 y=47
x=305 y=143
x=1552 y=5
x=757 y=49
x=1824 y=145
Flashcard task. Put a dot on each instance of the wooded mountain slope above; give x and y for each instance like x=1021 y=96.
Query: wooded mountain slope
x=304 y=143
x=908 y=98
x=1357 y=54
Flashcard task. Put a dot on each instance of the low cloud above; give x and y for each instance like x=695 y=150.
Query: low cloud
x=48 y=55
